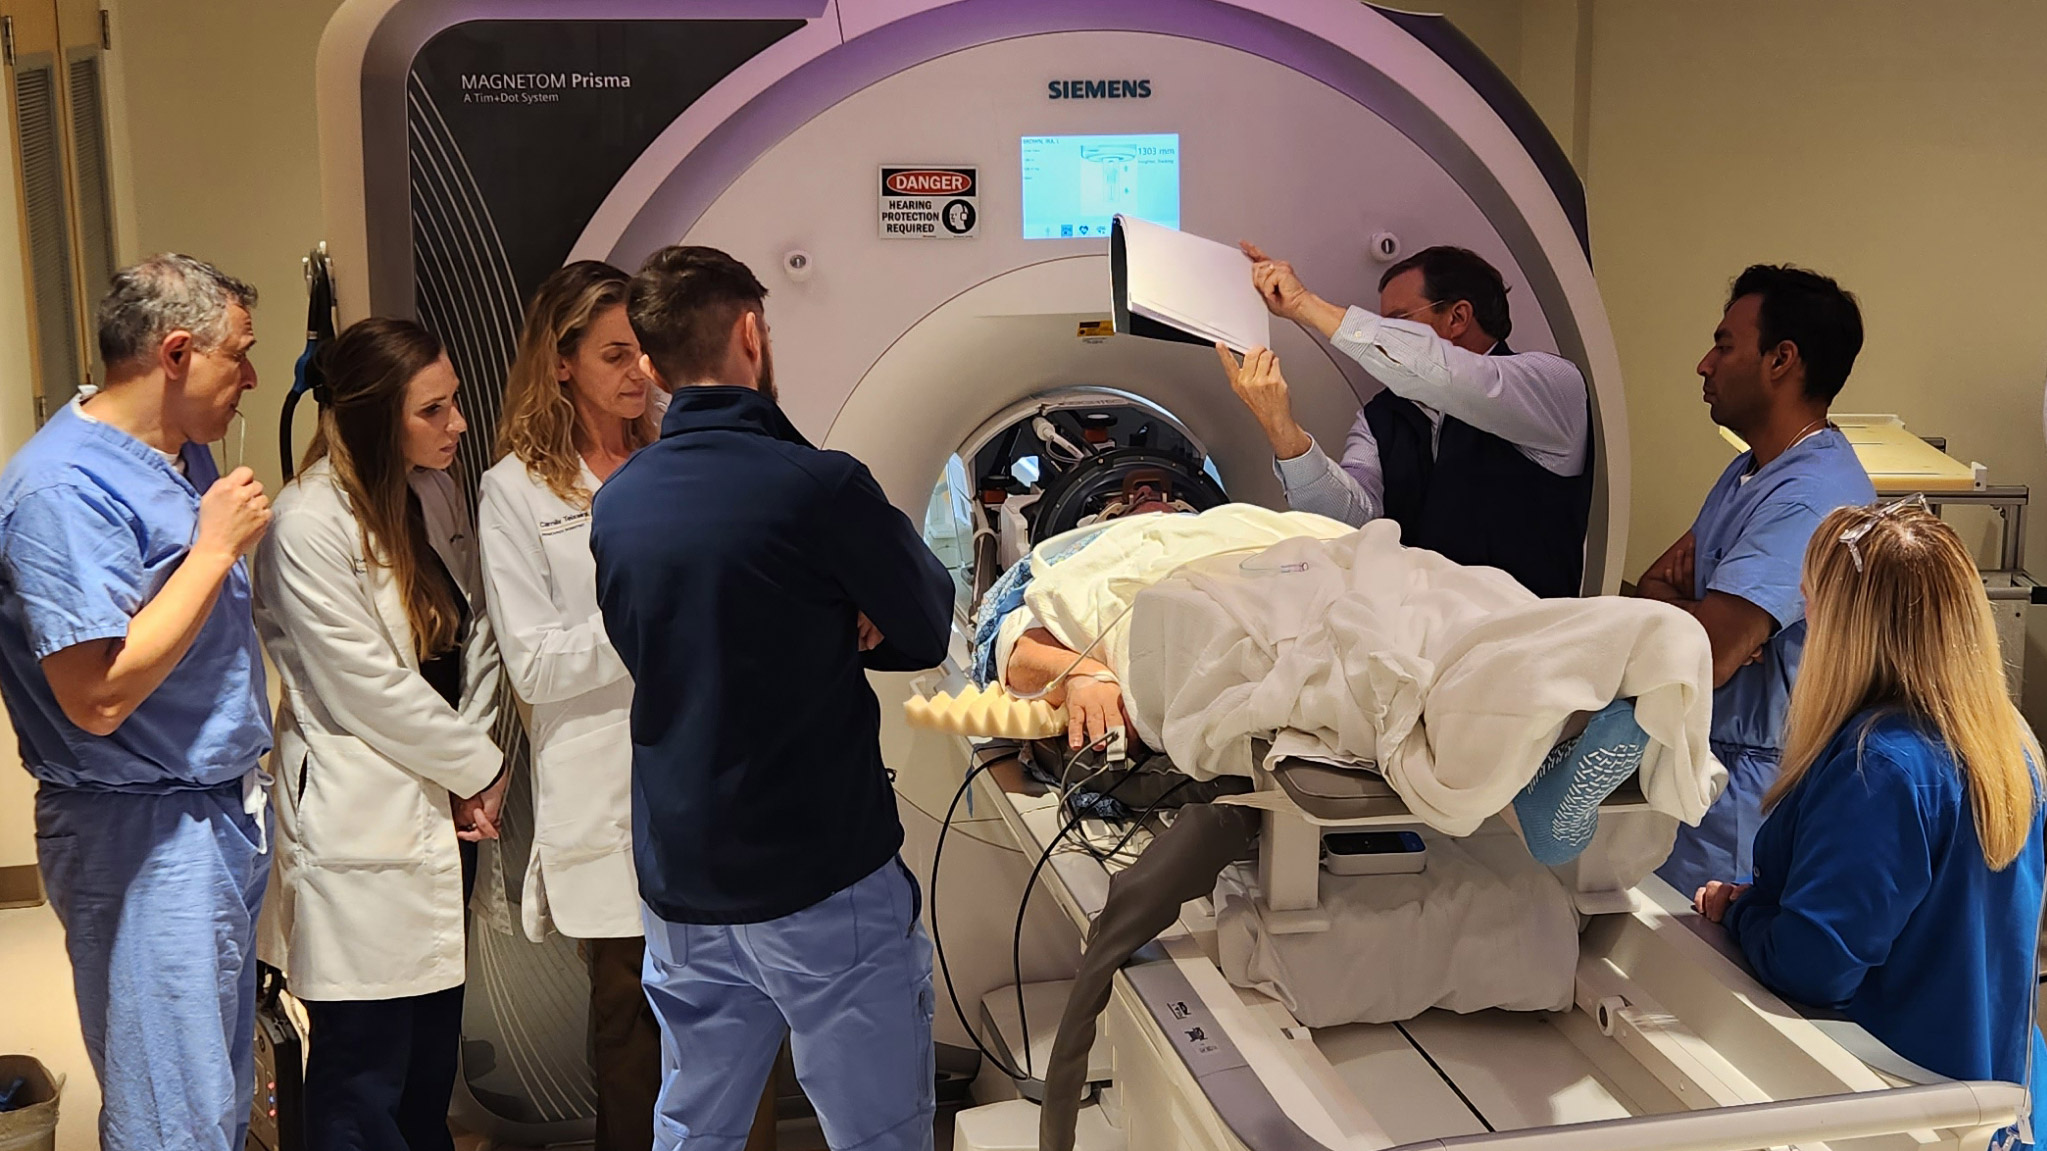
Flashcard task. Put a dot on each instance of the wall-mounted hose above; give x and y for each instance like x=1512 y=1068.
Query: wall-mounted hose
x=307 y=375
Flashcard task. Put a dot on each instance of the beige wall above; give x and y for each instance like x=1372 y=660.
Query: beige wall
x=222 y=147
x=1900 y=148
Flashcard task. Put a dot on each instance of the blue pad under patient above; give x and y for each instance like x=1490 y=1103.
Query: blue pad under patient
x=1559 y=809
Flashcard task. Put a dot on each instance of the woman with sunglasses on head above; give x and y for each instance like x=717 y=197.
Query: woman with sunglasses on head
x=370 y=600
x=1898 y=876
x=576 y=408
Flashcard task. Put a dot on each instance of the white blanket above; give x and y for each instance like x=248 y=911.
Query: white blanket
x=1084 y=600
x=1456 y=681
x=1484 y=926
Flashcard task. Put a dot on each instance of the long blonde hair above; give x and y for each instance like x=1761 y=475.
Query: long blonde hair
x=1899 y=621
x=539 y=424
x=362 y=421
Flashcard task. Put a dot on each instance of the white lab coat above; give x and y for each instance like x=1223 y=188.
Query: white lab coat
x=576 y=697
x=367 y=902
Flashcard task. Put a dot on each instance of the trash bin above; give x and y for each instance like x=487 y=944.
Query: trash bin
x=32 y=1124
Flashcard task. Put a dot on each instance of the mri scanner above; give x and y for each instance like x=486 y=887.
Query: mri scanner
x=924 y=186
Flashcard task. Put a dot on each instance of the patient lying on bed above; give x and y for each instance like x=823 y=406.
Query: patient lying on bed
x=1209 y=634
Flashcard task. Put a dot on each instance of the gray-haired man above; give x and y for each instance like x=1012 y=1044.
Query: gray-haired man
x=129 y=663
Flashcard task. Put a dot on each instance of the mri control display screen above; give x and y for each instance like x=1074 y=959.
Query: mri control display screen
x=1072 y=185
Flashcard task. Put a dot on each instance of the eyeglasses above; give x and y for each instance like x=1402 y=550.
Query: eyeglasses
x=1410 y=313
x=1853 y=536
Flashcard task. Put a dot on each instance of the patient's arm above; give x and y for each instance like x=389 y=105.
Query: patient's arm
x=1092 y=706
x=1038 y=659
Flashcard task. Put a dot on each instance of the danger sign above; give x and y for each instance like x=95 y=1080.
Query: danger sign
x=930 y=202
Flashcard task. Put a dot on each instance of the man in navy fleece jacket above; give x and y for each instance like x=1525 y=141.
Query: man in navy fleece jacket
x=748 y=581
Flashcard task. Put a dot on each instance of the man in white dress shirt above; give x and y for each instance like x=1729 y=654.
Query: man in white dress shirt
x=1478 y=452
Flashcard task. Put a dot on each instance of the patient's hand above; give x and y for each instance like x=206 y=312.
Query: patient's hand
x=1093 y=707
x=1713 y=900
x=870 y=636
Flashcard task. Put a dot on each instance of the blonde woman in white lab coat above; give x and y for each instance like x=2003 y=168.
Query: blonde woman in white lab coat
x=576 y=407
x=369 y=596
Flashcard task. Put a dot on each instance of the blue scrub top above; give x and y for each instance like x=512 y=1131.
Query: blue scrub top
x=1751 y=536
x=92 y=523
x=1872 y=897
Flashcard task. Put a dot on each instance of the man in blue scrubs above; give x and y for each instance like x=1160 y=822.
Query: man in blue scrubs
x=129 y=663
x=1781 y=354
x=749 y=581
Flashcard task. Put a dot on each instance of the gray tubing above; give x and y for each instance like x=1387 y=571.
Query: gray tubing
x=1144 y=899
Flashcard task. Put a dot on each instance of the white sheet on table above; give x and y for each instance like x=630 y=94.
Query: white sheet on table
x=1484 y=926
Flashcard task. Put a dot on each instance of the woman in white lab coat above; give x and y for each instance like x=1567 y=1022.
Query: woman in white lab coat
x=576 y=407
x=369 y=596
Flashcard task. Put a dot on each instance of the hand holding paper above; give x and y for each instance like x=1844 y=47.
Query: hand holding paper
x=1258 y=383
x=1285 y=296
x=1171 y=285
x=1279 y=288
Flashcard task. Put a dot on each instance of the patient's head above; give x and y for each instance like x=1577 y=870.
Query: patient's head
x=1144 y=493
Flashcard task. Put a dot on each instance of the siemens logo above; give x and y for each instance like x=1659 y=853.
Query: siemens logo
x=1099 y=89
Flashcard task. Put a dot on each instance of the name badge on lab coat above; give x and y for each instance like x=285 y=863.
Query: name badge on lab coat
x=567 y=523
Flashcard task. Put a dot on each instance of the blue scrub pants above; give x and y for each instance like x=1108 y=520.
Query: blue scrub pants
x=158 y=895
x=1722 y=846
x=848 y=977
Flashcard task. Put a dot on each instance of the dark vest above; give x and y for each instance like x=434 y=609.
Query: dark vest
x=1477 y=500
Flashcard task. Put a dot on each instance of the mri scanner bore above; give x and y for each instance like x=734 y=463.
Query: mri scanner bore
x=1054 y=463
x=967 y=370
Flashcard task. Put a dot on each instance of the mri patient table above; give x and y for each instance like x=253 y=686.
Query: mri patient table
x=1671 y=1045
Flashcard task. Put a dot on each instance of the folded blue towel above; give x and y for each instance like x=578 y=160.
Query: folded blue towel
x=1559 y=809
x=1005 y=596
